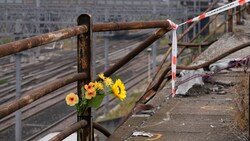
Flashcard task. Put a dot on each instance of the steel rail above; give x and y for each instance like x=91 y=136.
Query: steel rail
x=221 y=24
x=158 y=34
x=221 y=56
x=74 y=127
x=24 y=44
x=214 y=31
x=102 y=129
x=37 y=93
x=114 y=26
x=204 y=27
x=69 y=130
x=154 y=88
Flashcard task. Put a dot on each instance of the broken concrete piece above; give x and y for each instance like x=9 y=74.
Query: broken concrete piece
x=221 y=92
x=183 y=88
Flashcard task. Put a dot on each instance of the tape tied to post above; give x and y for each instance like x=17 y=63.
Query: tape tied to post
x=174 y=27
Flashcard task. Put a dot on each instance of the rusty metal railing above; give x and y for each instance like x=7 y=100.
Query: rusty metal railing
x=37 y=93
x=24 y=44
x=84 y=32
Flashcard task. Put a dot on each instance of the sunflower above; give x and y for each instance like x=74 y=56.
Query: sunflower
x=98 y=86
x=119 y=89
x=72 y=99
x=90 y=94
x=90 y=87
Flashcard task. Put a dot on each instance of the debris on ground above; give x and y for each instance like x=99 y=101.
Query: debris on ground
x=142 y=133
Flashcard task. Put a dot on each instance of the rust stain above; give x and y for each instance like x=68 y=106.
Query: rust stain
x=217 y=107
x=155 y=137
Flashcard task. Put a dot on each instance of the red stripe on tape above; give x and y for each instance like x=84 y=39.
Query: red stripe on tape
x=202 y=16
x=173 y=92
x=174 y=59
x=242 y=2
x=173 y=75
x=173 y=26
x=189 y=21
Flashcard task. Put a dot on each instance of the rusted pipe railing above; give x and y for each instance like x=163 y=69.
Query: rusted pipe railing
x=76 y=126
x=69 y=130
x=155 y=87
x=204 y=28
x=214 y=31
x=158 y=34
x=221 y=56
x=220 y=25
x=24 y=44
x=204 y=40
x=101 y=129
x=37 y=93
x=114 y=26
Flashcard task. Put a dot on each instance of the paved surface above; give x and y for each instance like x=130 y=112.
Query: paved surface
x=205 y=114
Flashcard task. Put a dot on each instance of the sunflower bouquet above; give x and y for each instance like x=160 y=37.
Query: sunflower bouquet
x=92 y=94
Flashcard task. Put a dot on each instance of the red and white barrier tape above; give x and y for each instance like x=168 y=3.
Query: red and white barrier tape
x=202 y=16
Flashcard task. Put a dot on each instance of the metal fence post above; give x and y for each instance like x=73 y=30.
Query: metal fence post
x=230 y=21
x=84 y=46
x=18 y=113
x=238 y=16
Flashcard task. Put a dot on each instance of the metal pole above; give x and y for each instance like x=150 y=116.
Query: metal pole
x=106 y=66
x=154 y=56
x=230 y=21
x=94 y=42
x=238 y=16
x=199 y=12
x=38 y=15
x=149 y=63
x=18 y=120
x=84 y=47
x=106 y=58
x=94 y=57
x=106 y=53
x=194 y=28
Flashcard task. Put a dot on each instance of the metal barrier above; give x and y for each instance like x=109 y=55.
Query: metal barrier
x=84 y=42
x=84 y=31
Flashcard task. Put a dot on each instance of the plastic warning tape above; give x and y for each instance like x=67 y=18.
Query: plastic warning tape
x=200 y=17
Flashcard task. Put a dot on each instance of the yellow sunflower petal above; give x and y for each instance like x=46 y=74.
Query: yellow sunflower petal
x=119 y=90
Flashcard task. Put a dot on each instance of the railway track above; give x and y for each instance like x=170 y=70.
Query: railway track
x=44 y=71
x=99 y=111
x=64 y=68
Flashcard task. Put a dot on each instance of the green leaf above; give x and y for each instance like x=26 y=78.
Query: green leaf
x=84 y=101
x=82 y=90
x=96 y=101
